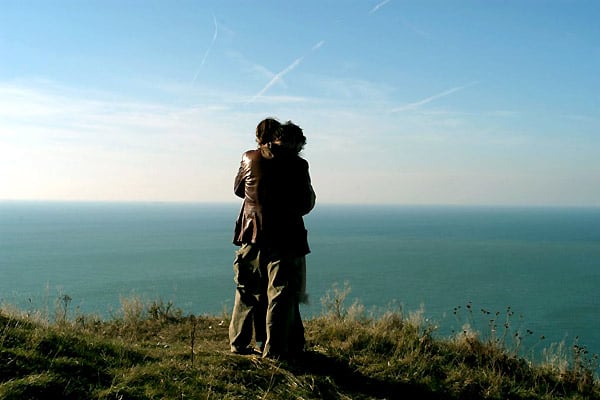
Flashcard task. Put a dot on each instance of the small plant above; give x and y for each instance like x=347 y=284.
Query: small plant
x=132 y=309
x=164 y=312
x=333 y=301
x=62 y=308
x=584 y=364
x=501 y=333
x=193 y=324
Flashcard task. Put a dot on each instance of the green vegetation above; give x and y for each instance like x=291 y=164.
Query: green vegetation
x=152 y=351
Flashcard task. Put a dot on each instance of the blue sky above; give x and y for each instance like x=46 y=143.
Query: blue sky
x=403 y=102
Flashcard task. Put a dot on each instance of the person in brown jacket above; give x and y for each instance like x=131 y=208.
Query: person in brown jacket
x=270 y=266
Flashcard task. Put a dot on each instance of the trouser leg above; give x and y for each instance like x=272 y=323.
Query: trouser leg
x=298 y=283
x=248 y=306
x=240 y=327
x=284 y=278
x=279 y=309
x=260 y=318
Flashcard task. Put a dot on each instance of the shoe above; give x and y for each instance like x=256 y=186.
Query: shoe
x=246 y=351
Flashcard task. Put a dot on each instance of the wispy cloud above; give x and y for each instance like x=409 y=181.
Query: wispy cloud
x=378 y=6
x=214 y=39
x=417 y=104
x=279 y=76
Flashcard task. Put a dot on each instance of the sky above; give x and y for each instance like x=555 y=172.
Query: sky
x=403 y=102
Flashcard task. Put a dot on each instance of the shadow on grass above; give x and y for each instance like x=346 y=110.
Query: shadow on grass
x=354 y=383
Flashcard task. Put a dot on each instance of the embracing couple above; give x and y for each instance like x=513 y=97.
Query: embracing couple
x=270 y=266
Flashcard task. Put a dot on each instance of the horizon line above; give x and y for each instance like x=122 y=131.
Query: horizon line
x=322 y=203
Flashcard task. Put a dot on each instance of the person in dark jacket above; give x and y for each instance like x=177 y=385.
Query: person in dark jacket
x=270 y=267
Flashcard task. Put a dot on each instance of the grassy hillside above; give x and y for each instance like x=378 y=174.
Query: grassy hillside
x=152 y=351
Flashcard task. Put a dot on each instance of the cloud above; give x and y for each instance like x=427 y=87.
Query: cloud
x=417 y=104
x=60 y=143
x=378 y=6
x=50 y=115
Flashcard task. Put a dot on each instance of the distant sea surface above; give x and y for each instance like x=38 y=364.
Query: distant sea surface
x=543 y=263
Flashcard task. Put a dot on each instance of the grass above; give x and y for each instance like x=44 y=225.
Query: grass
x=153 y=351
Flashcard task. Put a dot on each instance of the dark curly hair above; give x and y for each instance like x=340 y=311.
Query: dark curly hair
x=293 y=135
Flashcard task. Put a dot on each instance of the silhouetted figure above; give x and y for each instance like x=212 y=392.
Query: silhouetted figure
x=270 y=267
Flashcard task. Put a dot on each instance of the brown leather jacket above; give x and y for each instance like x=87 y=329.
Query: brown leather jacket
x=277 y=192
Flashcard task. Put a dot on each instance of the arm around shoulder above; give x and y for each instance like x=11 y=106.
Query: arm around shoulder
x=311 y=197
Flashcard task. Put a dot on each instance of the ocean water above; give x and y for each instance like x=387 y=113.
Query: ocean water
x=543 y=263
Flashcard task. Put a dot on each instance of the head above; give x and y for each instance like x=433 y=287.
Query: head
x=292 y=137
x=267 y=131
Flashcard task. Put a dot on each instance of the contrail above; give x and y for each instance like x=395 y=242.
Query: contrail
x=214 y=39
x=412 y=106
x=318 y=45
x=378 y=6
x=282 y=73
x=277 y=77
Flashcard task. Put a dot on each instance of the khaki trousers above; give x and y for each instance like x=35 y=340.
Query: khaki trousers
x=268 y=292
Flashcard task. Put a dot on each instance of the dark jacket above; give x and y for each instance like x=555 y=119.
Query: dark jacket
x=277 y=192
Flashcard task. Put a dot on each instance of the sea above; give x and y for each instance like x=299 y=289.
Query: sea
x=530 y=275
